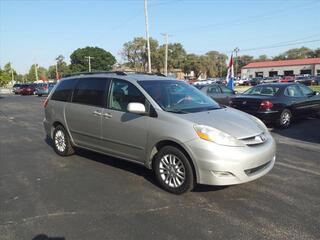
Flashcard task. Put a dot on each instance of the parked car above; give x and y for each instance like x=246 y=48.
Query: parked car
x=16 y=88
x=242 y=82
x=44 y=88
x=286 y=79
x=270 y=80
x=255 y=81
x=278 y=103
x=306 y=80
x=219 y=93
x=316 y=80
x=161 y=123
x=27 y=89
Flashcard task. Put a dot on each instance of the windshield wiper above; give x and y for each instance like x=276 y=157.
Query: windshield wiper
x=176 y=111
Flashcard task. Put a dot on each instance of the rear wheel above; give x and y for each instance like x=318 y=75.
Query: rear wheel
x=61 y=142
x=173 y=170
x=285 y=119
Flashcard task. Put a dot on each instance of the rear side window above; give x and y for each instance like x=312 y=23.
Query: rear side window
x=63 y=91
x=90 y=91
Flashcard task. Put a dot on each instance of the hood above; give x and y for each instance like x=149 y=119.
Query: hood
x=234 y=122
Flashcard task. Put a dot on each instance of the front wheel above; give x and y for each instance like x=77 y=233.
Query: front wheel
x=61 y=142
x=173 y=170
x=285 y=119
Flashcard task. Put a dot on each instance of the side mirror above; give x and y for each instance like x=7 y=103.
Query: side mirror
x=137 y=108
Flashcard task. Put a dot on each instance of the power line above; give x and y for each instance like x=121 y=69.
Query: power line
x=251 y=19
x=280 y=45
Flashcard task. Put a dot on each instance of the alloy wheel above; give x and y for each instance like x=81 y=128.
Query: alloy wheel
x=172 y=170
x=60 y=141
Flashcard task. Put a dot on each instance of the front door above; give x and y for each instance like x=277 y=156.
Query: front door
x=297 y=100
x=83 y=113
x=312 y=102
x=124 y=134
x=215 y=93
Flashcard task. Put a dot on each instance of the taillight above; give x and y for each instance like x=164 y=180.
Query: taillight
x=45 y=103
x=266 y=105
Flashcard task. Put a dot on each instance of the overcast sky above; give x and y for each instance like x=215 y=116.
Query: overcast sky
x=39 y=30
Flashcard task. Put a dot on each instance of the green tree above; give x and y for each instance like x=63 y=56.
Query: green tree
x=297 y=53
x=216 y=64
x=316 y=53
x=42 y=73
x=135 y=53
x=242 y=61
x=62 y=66
x=102 y=60
x=262 y=58
x=6 y=74
x=4 y=78
x=176 y=56
x=192 y=63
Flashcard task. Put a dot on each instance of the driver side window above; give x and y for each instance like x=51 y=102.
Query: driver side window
x=305 y=90
x=214 y=89
x=122 y=93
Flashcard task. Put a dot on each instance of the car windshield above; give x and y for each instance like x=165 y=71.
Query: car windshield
x=178 y=97
x=262 y=90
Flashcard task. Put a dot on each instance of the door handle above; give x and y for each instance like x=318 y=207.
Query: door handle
x=97 y=113
x=107 y=115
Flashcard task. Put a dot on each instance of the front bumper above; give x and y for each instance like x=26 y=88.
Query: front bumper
x=222 y=165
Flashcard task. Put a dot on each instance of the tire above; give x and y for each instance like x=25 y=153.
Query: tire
x=285 y=119
x=39 y=95
x=173 y=170
x=61 y=142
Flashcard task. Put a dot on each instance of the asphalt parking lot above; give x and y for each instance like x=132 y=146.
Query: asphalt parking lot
x=91 y=196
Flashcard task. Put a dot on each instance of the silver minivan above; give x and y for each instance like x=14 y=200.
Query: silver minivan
x=164 y=124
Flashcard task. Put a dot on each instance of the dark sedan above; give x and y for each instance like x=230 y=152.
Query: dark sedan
x=279 y=102
x=219 y=93
x=27 y=89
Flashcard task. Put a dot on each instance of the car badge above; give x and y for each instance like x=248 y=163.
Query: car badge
x=245 y=102
x=261 y=138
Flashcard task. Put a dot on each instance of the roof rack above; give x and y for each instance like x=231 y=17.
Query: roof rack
x=122 y=73
x=96 y=72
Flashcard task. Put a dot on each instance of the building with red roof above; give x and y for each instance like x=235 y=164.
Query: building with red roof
x=293 y=67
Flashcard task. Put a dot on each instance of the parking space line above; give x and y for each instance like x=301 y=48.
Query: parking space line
x=298 y=168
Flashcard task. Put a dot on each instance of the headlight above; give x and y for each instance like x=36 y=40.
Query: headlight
x=214 y=135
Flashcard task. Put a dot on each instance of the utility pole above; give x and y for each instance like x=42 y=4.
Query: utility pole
x=147 y=34
x=89 y=59
x=236 y=50
x=12 y=75
x=57 y=73
x=36 y=71
x=166 y=54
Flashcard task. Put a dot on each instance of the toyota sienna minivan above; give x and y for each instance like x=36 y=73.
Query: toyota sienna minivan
x=164 y=124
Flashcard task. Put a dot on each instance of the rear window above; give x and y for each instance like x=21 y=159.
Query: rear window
x=90 y=91
x=64 y=90
x=262 y=90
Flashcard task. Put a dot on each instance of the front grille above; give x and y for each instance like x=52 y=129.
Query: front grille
x=252 y=171
x=254 y=140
